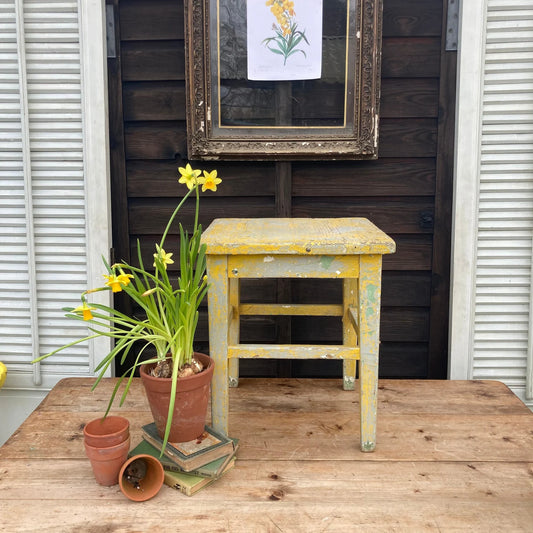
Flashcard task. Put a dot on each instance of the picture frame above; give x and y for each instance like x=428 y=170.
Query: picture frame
x=335 y=116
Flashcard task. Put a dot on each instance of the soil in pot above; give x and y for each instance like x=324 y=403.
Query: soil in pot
x=141 y=477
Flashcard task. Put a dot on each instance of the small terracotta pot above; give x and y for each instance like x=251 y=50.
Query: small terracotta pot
x=106 y=432
x=140 y=482
x=190 y=407
x=107 y=462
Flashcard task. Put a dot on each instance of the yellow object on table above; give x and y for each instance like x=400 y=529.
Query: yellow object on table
x=3 y=374
x=347 y=248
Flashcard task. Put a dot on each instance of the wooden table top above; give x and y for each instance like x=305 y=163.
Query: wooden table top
x=450 y=456
x=301 y=236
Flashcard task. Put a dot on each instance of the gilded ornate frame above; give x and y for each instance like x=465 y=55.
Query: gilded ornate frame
x=356 y=138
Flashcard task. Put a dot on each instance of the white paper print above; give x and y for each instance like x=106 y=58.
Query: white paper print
x=284 y=39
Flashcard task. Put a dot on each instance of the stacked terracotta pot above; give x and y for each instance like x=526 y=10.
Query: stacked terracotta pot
x=107 y=443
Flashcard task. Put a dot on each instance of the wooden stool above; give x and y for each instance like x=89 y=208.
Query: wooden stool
x=347 y=248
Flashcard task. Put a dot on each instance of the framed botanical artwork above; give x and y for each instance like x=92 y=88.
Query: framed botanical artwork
x=283 y=79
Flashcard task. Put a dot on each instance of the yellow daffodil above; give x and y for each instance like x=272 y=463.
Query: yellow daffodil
x=189 y=176
x=210 y=181
x=117 y=282
x=85 y=310
x=164 y=257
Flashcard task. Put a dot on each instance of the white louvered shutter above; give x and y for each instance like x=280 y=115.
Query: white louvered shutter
x=42 y=220
x=505 y=224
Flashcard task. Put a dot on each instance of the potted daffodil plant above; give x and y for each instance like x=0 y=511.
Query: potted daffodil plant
x=167 y=322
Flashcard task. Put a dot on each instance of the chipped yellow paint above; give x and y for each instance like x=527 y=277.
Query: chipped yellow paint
x=293 y=351
x=293 y=266
x=349 y=331
x=234 y=328
x=218 y=303
x=346 y=248
x=306 y=236
x=291 y=309
x=369 y=308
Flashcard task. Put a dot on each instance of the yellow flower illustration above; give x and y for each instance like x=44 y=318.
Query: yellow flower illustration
x=288 y=36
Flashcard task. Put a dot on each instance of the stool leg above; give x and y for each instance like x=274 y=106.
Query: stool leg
x=218 y=309
x=234 y=329
x=349 y=336
x=369 y=311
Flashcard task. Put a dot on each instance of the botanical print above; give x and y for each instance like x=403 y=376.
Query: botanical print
x=284 y=39
x=288 y=37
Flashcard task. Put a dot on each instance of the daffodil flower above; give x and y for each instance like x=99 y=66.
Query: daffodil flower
x=189 y=176
x=164 y=257
x=210 y=181
x=117 y=282
x=85 y=310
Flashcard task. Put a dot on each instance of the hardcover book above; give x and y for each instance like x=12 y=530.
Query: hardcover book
x=190 y=455
x=189 y=484
x=210 y=470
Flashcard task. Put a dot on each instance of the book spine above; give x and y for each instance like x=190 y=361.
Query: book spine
x=176 y=486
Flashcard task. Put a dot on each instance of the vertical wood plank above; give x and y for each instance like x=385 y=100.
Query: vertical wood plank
x=350 y=299
x=440 y=282
x=218 y=303
x=234 y=328
x=283 y=193
x=369 y=313
x=117 y=160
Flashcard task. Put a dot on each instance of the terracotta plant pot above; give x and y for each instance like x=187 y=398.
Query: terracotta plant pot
x=190 y=408
x=107 y=462
x=106 y=432
x=141 y=477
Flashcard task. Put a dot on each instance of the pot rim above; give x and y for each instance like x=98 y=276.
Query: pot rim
x=160 y=477
x=102 y=419
x=109 y=448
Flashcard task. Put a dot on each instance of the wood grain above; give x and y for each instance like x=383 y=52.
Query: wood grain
x=153 y=20
x=451 y=456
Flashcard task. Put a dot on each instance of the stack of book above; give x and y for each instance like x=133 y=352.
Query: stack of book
x=190 y=466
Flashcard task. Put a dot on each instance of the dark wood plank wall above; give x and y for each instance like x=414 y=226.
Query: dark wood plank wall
x=401 y=191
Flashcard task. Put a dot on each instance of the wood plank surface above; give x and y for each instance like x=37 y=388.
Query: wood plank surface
x=420 y=18
x=390 y=177
x=451 y=456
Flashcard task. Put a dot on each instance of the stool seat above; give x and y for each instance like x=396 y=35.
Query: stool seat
x=306 y=236
x=347 y=248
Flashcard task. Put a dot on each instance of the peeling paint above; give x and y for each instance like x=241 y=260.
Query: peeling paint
x=368 y=446
x=257 y=248
x=326 y=260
